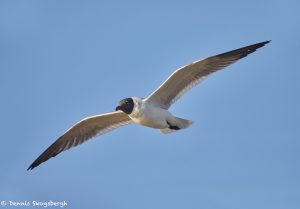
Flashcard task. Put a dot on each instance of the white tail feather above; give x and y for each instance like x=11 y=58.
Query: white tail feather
x=180 y=123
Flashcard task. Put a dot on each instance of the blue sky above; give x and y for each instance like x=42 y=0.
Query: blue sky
x=64 y=60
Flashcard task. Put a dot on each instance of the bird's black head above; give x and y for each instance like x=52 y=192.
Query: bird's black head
x=126 y=105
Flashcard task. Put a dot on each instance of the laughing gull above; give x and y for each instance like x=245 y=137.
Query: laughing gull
x=151 y=111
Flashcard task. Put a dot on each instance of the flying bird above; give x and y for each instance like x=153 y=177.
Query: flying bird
x=151 y=111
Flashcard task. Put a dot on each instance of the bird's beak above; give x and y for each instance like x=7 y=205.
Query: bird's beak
x=118 y=108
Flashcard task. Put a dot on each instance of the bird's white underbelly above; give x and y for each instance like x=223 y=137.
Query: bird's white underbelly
x=153 y=117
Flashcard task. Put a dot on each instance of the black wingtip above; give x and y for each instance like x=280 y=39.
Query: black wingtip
x=264 y=43
x=244 y=51
x=253 y=47
x=31 y=167
x=257 y=45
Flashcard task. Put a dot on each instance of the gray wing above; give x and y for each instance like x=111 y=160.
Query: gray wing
x=81 y=132
x=188 y=76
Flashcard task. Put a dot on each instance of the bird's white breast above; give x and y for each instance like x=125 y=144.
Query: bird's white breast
x=149 y=115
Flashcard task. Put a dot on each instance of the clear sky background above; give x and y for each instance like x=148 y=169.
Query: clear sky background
x=64 y=60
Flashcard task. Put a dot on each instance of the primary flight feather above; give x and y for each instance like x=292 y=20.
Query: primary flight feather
x=151 y=111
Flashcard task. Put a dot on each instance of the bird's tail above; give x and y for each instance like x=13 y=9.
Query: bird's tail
x=177 y=124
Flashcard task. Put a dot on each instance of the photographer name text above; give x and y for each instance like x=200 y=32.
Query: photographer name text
x=33 y=203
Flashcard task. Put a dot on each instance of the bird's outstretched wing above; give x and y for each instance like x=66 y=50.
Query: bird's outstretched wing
x=188 y=76
x=81 y=132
